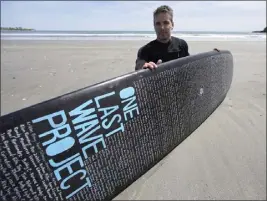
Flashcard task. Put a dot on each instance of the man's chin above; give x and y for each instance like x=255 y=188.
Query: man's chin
x=164 y=39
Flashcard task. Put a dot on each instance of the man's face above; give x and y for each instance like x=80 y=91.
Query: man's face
x=163 y=26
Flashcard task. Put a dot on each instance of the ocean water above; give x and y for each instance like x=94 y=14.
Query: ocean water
x=129 y=35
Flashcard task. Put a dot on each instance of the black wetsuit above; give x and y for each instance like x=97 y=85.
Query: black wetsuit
x=155 y=50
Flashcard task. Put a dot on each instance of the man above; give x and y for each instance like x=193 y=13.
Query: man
x=166 y=47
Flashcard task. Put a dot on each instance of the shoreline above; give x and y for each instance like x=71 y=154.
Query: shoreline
x=129 y=36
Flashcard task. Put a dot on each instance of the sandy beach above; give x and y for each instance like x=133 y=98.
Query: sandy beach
x=223 y=159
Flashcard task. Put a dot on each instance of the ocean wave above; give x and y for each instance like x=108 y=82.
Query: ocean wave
x=74 y=35
x=127 y=36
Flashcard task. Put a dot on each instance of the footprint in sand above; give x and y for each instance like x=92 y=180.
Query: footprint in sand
x=228 y=102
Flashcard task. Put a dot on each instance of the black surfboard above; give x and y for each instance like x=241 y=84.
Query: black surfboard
x=93 y=143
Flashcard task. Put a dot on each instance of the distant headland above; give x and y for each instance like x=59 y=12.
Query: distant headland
x=263 y=31
x=16 y=29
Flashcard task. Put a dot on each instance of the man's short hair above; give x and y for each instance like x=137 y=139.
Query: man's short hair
x=164 y=9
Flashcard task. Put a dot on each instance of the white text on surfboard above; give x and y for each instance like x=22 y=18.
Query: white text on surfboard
x=84 y=128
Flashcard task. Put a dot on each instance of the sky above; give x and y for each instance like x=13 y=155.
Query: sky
x=133 y=15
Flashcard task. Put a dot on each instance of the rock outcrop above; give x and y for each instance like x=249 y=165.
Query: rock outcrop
x=263 y=31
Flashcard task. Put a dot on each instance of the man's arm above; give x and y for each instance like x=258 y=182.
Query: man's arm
x=186 y=49
x=140 y=61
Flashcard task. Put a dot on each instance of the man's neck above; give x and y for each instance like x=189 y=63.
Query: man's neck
x=164 y=41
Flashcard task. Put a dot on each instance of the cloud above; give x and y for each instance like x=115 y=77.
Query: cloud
x=132 y=15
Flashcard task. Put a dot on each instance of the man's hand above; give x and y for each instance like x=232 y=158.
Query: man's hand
x=151 y=65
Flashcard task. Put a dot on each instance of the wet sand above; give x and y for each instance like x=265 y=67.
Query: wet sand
x=225 y=158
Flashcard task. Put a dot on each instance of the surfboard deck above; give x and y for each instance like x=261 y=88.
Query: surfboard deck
x=93 y=143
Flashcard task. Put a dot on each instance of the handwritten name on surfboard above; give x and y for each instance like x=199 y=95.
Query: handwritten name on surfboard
x=91 y=122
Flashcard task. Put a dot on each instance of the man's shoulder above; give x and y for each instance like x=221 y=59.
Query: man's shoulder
x=179 y=41
x=147 y=46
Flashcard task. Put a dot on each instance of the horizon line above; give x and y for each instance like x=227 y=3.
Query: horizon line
x=123 y=30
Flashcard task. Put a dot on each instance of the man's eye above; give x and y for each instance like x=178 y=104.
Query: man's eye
x=166 y=22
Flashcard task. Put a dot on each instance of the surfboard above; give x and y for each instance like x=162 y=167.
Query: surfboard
x=93 y=143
